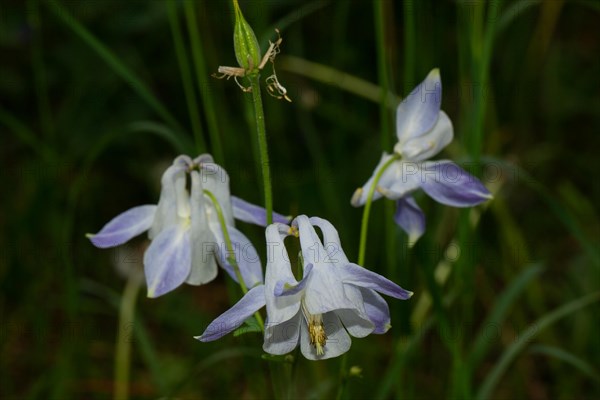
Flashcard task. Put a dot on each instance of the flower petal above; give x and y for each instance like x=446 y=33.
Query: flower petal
x=410 y=218
x=418 y=112
x=281 y=338
x=286 y=288
x=377 y=309
x=166 y=213
x=324 y=291
x=216 y=180
x=204 y=263
x=358 y=276
x=202 y=159
x=246 y=257
x=167 y=261
x=338 y=341
x=253 y=214
x=235 y=316
x=429 y=144
x=279 y=309
x=359 y=198
x=356 y=325
x=449 y=184
x=124 y=227
x=398 y=180
x=333 y=246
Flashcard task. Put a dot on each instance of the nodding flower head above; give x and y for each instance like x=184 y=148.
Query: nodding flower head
x=423 y=130
x=335 y=299
x=187 y=236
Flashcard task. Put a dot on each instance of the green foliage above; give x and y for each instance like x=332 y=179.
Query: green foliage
x=96 y=98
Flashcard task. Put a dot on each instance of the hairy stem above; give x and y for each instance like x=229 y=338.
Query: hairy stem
x=262 y=146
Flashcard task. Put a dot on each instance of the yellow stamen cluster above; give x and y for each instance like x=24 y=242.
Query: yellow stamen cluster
x=316 y=330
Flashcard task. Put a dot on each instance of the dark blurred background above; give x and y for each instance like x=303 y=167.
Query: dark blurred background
x=95 y=101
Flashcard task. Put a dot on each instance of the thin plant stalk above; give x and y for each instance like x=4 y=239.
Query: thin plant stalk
x=124 y=331
x=383 y=72
x=186 y=75
x=262 y=146
x=202 y=81
x=364 y=228
x=361 y=258
x=481 y=40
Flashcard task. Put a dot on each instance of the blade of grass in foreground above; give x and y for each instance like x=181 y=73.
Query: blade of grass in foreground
x=113 y=62
x=492 y=379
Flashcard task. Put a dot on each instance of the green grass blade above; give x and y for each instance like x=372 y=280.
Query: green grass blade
x=113 y=62
x=206 y=96
x=296 y=15
x=186 y=76
x=513 y=11
x=336 y=78
x=499 y=311
x=567 y=357
x=532 y=330
x=181 y=144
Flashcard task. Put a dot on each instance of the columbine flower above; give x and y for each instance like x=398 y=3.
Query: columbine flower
x=423 y=130
x=187 y=239
x=334 y=300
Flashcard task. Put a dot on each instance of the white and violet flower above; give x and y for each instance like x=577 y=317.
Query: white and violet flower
x=187 y=241
x=423 y=130
x=335 y=299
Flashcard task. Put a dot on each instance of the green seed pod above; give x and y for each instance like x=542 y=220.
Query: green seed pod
x=247 y=51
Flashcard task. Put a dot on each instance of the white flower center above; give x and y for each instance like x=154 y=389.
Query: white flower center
x=316 y=330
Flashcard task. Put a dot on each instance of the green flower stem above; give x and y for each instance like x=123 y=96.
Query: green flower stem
x=123 y=344
x=230 y=253
x=262 y=145
x=343 y=376
x=367 y=210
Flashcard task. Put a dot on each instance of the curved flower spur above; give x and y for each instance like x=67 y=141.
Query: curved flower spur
x=423 y=130
x=334 y=300
x=187 y=238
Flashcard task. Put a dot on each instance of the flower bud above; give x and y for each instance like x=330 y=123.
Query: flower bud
x=247 y=50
